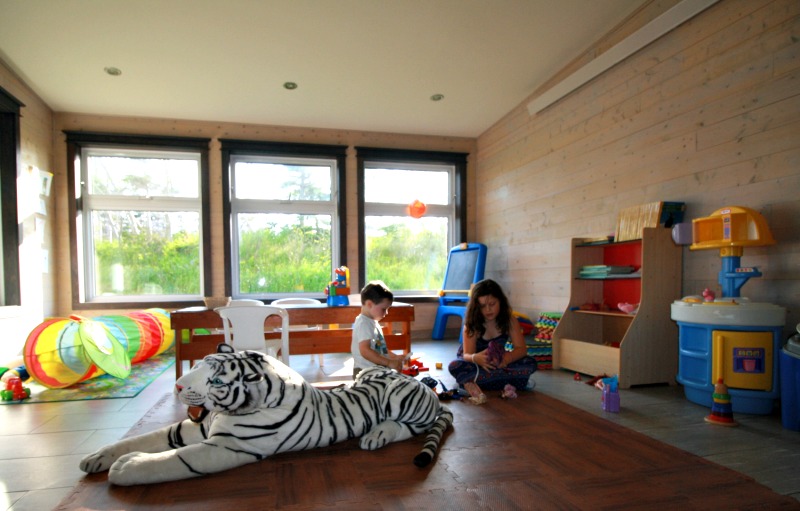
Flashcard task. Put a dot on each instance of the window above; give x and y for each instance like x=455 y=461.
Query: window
x=9 y=248
x=141 y=218
x=283 y=218
x=405 y=249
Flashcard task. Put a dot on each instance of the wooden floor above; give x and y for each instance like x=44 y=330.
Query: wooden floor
x=534 y=452
x=41 y=445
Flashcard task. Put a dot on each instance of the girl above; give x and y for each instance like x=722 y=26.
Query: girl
x=493 y=352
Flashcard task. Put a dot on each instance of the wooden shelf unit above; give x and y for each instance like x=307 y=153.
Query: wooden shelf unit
x=642 y=348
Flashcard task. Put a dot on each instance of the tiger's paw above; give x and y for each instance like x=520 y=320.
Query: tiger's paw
x=134 y=468
x=384 y=433
x=98 y=461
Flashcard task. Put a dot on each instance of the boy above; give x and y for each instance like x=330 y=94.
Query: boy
x=368 y=346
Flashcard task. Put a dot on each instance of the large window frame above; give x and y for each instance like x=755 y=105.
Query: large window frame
x=411 y=159
x=78 y=145
x=233 y=151
x=9 y=223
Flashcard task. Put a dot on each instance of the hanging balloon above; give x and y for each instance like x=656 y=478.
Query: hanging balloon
x=417 y=209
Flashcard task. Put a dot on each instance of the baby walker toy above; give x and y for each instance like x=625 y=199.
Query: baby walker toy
x=730 y=338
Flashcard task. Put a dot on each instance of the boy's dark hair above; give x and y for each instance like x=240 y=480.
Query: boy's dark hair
x=376 y=291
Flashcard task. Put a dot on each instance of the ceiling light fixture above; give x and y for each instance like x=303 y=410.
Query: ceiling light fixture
x=289 y=85
x=437 y=97
x=112 y=71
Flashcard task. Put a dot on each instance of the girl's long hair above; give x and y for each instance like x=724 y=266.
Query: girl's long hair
x=473 y=320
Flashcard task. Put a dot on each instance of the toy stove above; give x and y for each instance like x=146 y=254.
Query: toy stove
x=730 y=337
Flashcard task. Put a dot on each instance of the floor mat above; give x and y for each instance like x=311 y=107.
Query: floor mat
x=105 y=386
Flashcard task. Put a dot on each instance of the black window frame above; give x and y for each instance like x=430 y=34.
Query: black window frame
x=457 y=159
x=236 y=147
x=75 y=141
x=9 y=171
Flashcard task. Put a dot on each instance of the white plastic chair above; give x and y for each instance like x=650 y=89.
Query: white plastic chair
x=295 y=328
x=247 y=323
x=245 y=301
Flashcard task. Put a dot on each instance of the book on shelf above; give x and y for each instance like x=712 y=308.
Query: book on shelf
x=603 y=271
x=631 y=220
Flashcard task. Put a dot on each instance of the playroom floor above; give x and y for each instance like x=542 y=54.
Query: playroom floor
x=41 y=444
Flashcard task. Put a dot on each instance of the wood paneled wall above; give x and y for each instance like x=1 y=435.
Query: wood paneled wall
x=709 y=115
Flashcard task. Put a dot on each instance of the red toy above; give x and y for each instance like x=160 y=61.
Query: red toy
x=414 y=367
x=15 y=391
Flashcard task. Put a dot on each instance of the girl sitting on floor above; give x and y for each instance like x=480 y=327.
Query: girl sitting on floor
x=493 y=352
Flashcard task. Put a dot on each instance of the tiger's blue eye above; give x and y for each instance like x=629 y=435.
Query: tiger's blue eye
x=217 y=381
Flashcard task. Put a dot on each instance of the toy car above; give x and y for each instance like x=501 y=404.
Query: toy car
x=14 y=390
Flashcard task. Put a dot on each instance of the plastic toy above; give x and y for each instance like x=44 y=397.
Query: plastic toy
x=415 y=362
x=610 y=396
x=509 y=392
x=14 y=390
x=410 y=371
x=728 y=336
x=721 y=409
x=525 y=322
x=338 y=290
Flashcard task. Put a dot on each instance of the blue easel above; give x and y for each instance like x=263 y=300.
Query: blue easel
x=465 y=266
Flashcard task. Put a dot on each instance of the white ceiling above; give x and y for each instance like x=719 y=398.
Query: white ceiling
x=359 y=64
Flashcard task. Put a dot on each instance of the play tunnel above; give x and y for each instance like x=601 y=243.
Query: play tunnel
x=60 y=352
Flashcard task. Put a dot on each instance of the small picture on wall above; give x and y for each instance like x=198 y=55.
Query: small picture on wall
x=45 y=180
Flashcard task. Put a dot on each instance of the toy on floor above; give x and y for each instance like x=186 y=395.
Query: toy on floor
x=721 y=409
x=14 y=390
x=414 y=367
x=60 y=352
x=509 y=392
x=245 y=394
x=455 y=394
x=610 y=397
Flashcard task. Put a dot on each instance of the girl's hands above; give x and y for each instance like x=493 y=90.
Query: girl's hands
x=483 y=361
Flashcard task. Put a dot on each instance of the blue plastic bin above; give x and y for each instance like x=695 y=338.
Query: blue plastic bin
x=790 y=384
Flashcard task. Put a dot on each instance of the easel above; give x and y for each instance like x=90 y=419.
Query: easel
x=465 y=266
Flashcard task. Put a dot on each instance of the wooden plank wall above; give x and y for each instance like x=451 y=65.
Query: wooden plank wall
x=709 y=115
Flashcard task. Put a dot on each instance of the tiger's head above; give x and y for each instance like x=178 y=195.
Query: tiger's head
x=236 y=383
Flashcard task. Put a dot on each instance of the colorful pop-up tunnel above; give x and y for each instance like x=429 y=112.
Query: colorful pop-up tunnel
x=60 y=352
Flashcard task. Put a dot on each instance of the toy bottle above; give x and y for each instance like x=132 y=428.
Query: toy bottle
x=610 y=397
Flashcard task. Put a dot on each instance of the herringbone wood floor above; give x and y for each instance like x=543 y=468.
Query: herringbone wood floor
x=534 y=452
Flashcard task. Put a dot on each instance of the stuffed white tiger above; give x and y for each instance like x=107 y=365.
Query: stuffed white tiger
x=259 y=407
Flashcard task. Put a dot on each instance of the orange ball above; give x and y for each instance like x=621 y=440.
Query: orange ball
x=417 y=209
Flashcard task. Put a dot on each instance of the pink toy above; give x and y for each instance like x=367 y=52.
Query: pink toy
x=708 y=295
x=509 y=392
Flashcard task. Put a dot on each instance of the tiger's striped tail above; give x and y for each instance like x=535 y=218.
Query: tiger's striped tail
x=434 y=438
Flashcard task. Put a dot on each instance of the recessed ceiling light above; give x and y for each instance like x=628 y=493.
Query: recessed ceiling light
x=289 y=85
x=113 y=71
x=437 y=97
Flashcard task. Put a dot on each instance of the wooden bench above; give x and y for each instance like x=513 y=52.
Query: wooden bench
x=201 y=329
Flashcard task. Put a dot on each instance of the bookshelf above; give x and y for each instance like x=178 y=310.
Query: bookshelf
x=640 y=348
